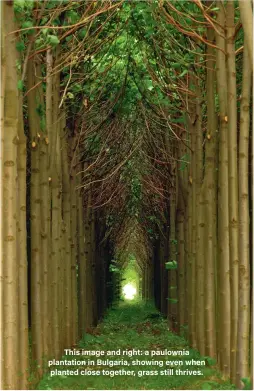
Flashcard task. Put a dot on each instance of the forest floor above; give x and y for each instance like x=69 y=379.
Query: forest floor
x=136 y=326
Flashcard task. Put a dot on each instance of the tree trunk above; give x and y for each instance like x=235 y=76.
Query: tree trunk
x=22 y=251
x=10 y=345
x=35 y=202
x=233 y=183
x=243 y=348
x=200 y=226
x=56 y=218
x=210 y=190
x=45 y=246
x=224 y=298
x=68 y=296
x=246 y=13
x=82 y=263
x=74 y=244
x=47 y=198
x=181 y=281
x=172 y=275
x=192 y=222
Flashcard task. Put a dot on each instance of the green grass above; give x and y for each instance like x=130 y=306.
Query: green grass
x=135 y=326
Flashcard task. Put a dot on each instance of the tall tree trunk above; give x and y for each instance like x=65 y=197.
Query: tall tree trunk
x=224 y=298
x=93 y=266
x=74 y=248
x=233 y=182
x=181 y=281
x=162 y=268
x=56 y=218
x=35 y=201
x=200 y=226
x=188 y=235
x=246 y=13
x=88 y=260
x=45 y=171
x=243 y=347
x=82 y=263
x=192 y=219
x=22 y=251
x=172 y=275
x=10 y=345
x=164 y=274
x=68 y=296
x=44 y=217
x=45 y=245
x=210 y=185
x=3 y=79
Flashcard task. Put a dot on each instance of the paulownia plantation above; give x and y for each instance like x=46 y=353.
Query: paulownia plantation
x=126 y=159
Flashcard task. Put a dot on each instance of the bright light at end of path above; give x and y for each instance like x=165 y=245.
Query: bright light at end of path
x=129 y=291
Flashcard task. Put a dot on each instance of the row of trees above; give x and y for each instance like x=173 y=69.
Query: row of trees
x=50 y=256
x=210 y=219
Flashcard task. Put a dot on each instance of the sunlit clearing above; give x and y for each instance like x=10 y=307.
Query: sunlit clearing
x=129 y=291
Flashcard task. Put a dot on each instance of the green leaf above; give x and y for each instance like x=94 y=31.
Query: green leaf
x=20 y=46
x=73 y=16
x=28 y=24
x=171 y=265
x=149 y=85
x=53 y=40
x=82 y=33
x=20 y=85
x=19 y=5
x=18 y=65
x=29 y=4
x=176 y=65
x=183 y=73
x=77 y=87
x=45 y=31
x=210 y=361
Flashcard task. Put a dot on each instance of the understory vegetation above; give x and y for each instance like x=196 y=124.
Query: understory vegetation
x=136 y=326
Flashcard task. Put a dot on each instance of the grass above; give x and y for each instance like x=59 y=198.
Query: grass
x=136 y=326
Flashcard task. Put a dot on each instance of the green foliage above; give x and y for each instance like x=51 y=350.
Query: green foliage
x=136 y=326
x=171 y=265
x=113 y=267
x=28 y=24
x=247 y=383
x=53 y=40
x=216 y=385
x=94 y=143
x=18 y=65
x=20 y=85
x=20 y=46
x=23 y=5
x=210 y=361
x=206 y=386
